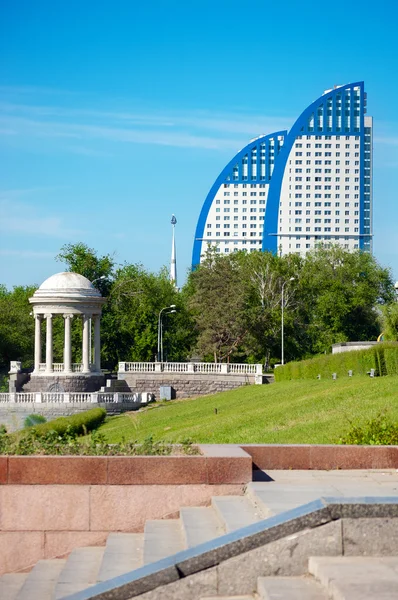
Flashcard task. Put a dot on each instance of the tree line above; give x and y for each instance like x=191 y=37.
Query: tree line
x=228 y=310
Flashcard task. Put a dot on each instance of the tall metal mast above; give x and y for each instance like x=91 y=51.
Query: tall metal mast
x=173 y=263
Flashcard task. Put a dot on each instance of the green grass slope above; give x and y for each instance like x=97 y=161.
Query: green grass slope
x=303 y=412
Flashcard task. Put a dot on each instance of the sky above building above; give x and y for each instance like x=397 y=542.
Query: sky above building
x=114 y=115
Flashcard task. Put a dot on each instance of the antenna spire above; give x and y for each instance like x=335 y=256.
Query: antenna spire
x=173 y=263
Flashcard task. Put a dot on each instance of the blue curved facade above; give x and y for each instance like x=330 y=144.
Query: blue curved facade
x=317 y=189
x=338 y=114
x=251 y=166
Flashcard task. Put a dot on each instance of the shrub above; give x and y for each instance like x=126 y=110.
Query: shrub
x=93 y=444
x=76 y=424
x=32 y=420
x=378 y=431
x=383 y=358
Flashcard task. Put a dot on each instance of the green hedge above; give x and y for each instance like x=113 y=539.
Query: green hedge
x=77 y=424
x=382 y=357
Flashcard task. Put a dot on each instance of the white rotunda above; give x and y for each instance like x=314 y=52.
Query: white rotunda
x=71 y=296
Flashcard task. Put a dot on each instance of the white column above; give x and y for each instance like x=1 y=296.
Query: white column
x=86 y=343
x=37 y=342
x=97 y=343
x=68 y=344
x=49 y=343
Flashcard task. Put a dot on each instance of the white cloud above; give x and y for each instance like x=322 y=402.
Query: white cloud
x=197 y=129
x=26 y=253
x=17 y=217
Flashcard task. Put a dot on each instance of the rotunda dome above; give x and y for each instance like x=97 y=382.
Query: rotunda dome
x=67 y=285
x=67 y=280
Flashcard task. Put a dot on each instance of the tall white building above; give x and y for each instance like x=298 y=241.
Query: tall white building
x=288 y=191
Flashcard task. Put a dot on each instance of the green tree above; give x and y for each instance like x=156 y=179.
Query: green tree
x=339 y=293
x=16 y=326
x=389 y=320
x=218 y=303
x=79 y=258
x=130 y=329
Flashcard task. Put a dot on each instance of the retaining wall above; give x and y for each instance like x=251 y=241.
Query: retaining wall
x=64 y=383
x=185 y=385
x=53 y=504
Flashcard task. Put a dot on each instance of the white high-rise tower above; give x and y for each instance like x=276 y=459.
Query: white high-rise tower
x=173 y=262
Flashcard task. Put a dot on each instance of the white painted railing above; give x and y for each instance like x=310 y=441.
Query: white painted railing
x=59 y=367
x=80 y=397
x=193 y=367
x=52 y=396
x=137 y=367
x=76 y=397
x=25 y=397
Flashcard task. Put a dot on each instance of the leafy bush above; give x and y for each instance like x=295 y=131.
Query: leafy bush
x=383 y=358
x=77 y=424
x=94 y=444
x=32 y=420
x=378 y=431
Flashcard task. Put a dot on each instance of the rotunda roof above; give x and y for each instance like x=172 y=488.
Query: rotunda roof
x=67 y=281
x=67 y=286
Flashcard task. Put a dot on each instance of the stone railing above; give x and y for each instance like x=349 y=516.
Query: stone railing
x=59 y=367
x=76 y=397
x=193 y=367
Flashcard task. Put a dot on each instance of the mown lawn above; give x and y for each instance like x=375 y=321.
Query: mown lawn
x=285 y=412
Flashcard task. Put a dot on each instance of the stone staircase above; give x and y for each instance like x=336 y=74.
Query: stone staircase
x=331 y=578
x=116 y=385
x=335 y=577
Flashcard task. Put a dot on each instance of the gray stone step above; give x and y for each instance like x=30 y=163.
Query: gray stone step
x=40 y=582
x=273 y=498
x=199 y=525
x=290 y=588
x=123 y=553
x=161 y=539
x=10 y=585
x=357 y=577
x=235 y=511
x=227 y=598
x=80 y=571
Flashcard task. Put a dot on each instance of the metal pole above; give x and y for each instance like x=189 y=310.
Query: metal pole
x=159 y=357
x=161 y=339
x=283 y=354
x=283 y=308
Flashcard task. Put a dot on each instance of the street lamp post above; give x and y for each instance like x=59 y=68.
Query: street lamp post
x=90 y=325
x=161 y=334
x=160 y=343
x=283 y=307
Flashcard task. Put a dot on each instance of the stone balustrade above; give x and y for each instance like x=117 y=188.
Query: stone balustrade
x=76 y=397
x=60 y=368
x=192 y=367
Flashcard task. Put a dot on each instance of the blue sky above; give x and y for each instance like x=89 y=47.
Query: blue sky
x=114 y=115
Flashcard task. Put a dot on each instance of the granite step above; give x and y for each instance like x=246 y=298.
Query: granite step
x=124 y=552
x=162 y=538
x=200 y=525
x=10 y=585
x=357 y=577
x=228 y=598
x=80 y=571
x=41 y=581
x=277 y=498
x=236 y=511
x=290 y=588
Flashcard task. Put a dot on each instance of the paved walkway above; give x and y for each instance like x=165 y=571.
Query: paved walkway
x=283 y=490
